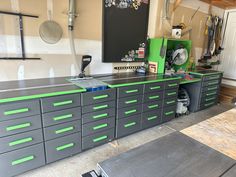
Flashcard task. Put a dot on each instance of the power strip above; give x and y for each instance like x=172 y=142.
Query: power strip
x=126 y=67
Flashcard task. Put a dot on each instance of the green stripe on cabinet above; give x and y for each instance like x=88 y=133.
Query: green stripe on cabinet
x=64 y=130
x=100 y=138
x=142 y=82
x=100 y=107
x=20 y=126
x=100 y=97
x=130 y=124
x=30 y=97
x=16 y=111
x=63 y=103
x=21 y=141
x=63 y=117
x=100 y=116
x=23 y=160
x=152 y=118
x=100 y=126
x=66 y=146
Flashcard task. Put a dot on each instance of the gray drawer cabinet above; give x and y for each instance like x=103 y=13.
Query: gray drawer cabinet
x=172 y=84
x=128 y=125
x=129 y=101
x=168 y=113
x=130 y=91
x=154 y=96
x=98 y=126
x=99 y=115
x=63 y=116
x=61 y=148
x=151 y=118
x=210 y=90
x=60 y=102
x=98 y=139
x=90 y=98
x=98 y=107
x=22 y=160
x=22 y=125
x=61 y=130
x=22 y=140
x=129 y=111
x=151 y=106
x=19 y=110
x=154 y=87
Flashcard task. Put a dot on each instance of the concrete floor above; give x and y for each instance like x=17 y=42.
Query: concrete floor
x=87 y=161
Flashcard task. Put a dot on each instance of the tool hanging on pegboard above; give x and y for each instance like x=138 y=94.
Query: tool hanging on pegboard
x=213 y=32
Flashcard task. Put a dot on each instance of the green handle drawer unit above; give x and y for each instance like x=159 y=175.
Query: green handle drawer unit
x=154 y=87
x=97 y=139
x=91 y=98
x=22 y=160
x=63 y=116
x=97 y=126
x=130 y=91
x=19 y=110
x=60 y=102
x=151 y=118
x=128 y=125
x=98 y=107
x=129 y=101
x=11 y=143
x=61 y=130
x=61 y=148
x=22 y=125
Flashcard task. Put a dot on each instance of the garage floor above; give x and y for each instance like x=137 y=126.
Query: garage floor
x=87 y=161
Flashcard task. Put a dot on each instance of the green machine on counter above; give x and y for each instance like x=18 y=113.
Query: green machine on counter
x=159 y=48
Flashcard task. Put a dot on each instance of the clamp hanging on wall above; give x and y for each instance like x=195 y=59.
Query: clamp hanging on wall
x=23 y=55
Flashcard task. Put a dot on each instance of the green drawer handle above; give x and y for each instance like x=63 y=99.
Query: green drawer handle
x=170 y=102
x=100 y=139
x=153 y=97
x=173 y=85
x=153 y=106
x=64 y=130
x=66 y=146
x=210 y=99
x=213 y=93
x=212 y=88
x=155 y=88
x=100 y=107
x=63 y=103
x=100 y=97
x=21 y=141
x=131 y=101
x=16 y=127
x=213 y=83
x=209 y=104
x=23 y=160
x=131 y=91
x=214 y=77
x=172 y=93
x=131 y=111
x=17 y=111
x=130 y=124
x=152 y=118
x=63 y=117
x=169 y=113
x=100 y=116
x=100 y=126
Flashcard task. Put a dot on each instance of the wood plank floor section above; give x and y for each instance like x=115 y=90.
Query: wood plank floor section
x=218 y=132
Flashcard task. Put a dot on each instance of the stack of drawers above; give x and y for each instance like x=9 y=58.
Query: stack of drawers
x=152 y=104
x=129 y=110
x=170 y=100
x=210 y=90
x=61 y=117
x=98 y=118
x=21 y=138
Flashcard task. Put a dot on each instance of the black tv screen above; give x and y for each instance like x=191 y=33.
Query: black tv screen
x=125 y=26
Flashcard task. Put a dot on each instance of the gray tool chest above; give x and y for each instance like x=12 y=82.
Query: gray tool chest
x=41 y=131
x=98 y=117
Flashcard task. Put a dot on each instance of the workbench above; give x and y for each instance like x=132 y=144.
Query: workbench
x=46 y=120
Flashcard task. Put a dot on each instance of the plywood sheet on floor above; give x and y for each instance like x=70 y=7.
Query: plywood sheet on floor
x=218 y=132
